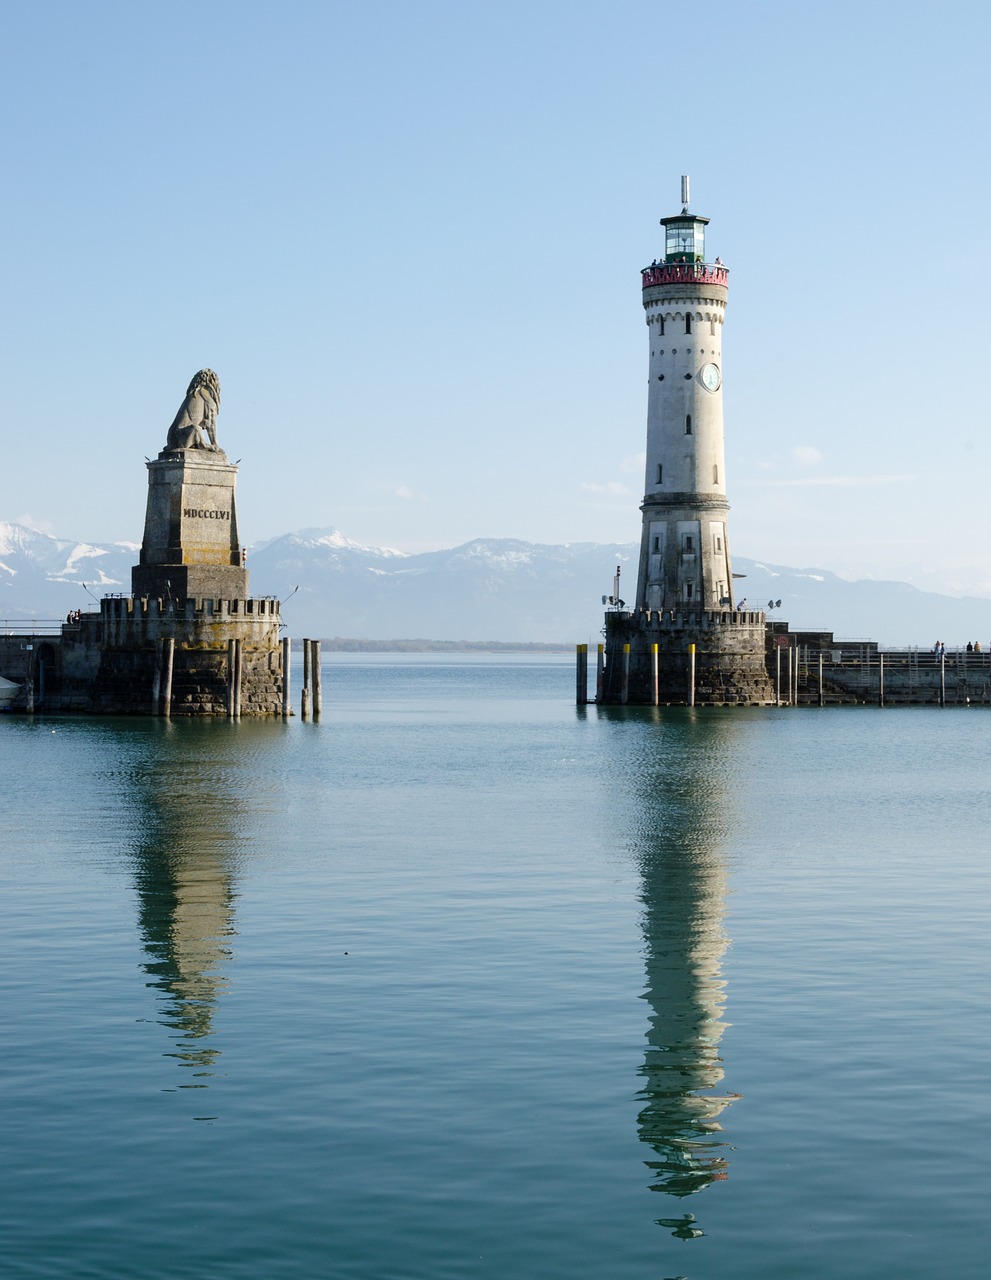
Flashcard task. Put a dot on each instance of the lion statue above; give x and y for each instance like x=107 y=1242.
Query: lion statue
x=198 y=413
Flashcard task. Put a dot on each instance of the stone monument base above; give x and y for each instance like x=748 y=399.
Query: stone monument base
x=195 y=657
x=190 y=581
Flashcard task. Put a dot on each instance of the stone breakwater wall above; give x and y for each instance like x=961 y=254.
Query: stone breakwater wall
x=202 y=655
x=730 y=663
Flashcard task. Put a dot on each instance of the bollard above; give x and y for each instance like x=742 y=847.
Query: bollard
x=655 y=673
x=304 y=697
x=691 y=675
x=624 y=695
x=821 y=701
x=231 y=676
x=238 y=671
x=168 y=656
x=316 y=693
x=581 y=675
x=156 y=680
x=286 y=703
x=880 y=679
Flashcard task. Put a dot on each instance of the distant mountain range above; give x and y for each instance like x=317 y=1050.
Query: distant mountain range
x=487 y=589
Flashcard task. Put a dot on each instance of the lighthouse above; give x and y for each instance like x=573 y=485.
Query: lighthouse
x=684 y=553
x=685 y=640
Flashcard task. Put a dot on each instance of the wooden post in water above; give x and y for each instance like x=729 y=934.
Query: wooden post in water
x=168 y=657
x=238 y=673
x=655 y=673
x=315 y=678
x=691 y=675
x=600 y=672
x=29 y=693
x=777 y=675
x=286 y=703
x=624 y=694
x=581 y=675
x=790 y=665
x=880 y=679
x=156 y=680
x=304 y=697
x=231 y=676
x=942 y=679
x=821 y=700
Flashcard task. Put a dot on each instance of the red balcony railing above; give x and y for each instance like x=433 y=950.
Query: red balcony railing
x=685 y=273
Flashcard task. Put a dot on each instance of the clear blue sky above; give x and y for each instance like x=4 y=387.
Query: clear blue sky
x=408 y=238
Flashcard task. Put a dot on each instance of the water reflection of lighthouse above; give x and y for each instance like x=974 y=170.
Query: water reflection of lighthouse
x=682 y=810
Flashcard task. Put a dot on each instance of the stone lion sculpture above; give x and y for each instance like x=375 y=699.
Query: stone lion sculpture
x=197 y=413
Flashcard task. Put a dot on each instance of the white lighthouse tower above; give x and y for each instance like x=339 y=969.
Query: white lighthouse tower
x=685 y=639
x=684 y=554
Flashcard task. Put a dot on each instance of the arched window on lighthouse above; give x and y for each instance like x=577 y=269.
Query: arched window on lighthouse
x=715 y=474
x=688 y=324
x=661 y=322
x=688 y=424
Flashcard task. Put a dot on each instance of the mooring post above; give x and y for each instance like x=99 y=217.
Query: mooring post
x=231 y=676
x=168 y=656
x=600 y=672
x=624 y=695
x=286 y=650
x=304 y=697
x=942 y=679
x=821 y=701
x=655 y=673
x=691 y=675
x=581 y=675
x=238 y=674
x=777 y=675
x=156 y=679
x=315 y=678
x=880 y=679
x=790 y=664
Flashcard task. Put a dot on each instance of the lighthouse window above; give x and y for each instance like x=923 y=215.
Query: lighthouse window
x=660 y=480
x=688 y=424
x=688 y=544
x=657 y=542
x=715 y=475
x=688 y=324
x=689 y=590
x=662 y=327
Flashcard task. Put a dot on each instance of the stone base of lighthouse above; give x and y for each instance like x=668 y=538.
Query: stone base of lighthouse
x=730 y=662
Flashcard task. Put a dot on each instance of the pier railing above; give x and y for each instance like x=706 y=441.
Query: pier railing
x=31 y=626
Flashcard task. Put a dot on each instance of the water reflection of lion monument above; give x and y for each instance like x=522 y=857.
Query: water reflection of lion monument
x=197 y=413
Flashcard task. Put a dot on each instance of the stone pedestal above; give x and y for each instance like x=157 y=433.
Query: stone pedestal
x=190 y=546
x=730 y=663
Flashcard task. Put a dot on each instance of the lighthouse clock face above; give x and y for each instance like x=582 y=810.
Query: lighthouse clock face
x=709 y=377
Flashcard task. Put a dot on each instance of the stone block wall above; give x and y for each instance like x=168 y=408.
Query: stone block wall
x=730 y=658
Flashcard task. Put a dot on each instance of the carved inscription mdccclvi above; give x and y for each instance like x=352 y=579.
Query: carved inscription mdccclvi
x=200 y=513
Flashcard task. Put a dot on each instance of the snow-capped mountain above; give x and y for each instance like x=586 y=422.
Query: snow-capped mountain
x=44 y=577
x=487 y=589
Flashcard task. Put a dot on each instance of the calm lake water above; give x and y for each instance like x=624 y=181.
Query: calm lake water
x=466 y=982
